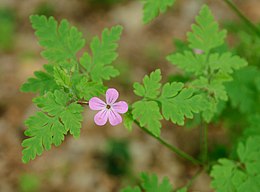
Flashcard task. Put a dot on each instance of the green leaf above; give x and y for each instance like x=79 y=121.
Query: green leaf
x=130 y=189
x=225 y=63
x=87 y=89
x=52 y=103
x=42 y=82
x=103 y=54
x=61 y=77
x=152 y=8
x=128 y=121
x=226 y=176
x=249 y=155
x=151 y=183
x=243 y=90
x=151 y=85
x=205 y=35
x=86 y=61
x=61 y=42
x=215 y=87
x=100 y=72
x=57 y=105
x=148 y=113
x=72 y=118
x=243 y=175
x=210 y=109
x=51 y=124
x=254 y=126
x=178 y=102
x=208 y=62
x=189 y=62
x=43 y=130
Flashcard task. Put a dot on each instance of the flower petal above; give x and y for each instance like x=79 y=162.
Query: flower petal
x=96 y=104
x=111 y=96
x=101 y=117
x=114 y=118
x=120 y=107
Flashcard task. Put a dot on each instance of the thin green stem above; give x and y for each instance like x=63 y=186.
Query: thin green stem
x=174 y=149
x=249 y=23
x=163 y=142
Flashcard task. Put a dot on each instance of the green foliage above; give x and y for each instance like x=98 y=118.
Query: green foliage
x=254 y=126
x=209 y=67
x=150 y=183
x=65 y=82
x=61 y=42
x=152 y=8
x=128 y=121
x=243 y=91
x=248 y=46
x=205 y=35
x=179 y=102
x=189 y=62
x=175 y=102
x=62 y=77
x=43 y=82
x=86 y=89
x=242 y=175
x=151 y=86
x=148 y=113
x=50 y=125
x=103 y=54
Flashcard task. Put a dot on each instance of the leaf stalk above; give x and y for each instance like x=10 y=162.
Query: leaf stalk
x=174 y=149
x=249 y=23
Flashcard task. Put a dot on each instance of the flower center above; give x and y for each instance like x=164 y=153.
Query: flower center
x=108 y=107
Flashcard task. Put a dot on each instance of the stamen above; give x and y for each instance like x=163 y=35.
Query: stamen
x=108 y=106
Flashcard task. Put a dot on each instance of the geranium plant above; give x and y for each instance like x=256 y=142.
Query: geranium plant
x=69 y=84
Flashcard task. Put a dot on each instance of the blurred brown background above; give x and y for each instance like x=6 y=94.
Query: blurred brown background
x=103 y=159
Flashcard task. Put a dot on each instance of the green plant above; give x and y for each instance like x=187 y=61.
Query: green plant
x=214 y=82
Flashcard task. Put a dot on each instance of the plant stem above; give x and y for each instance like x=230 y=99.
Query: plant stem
x=243 y=17
x=174 y=149
x=163 y=142
x=82 y=102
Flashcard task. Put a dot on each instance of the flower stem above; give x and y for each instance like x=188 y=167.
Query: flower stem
x=249 y=23
x=174 y=149
x=163 y=142
x=82 y=102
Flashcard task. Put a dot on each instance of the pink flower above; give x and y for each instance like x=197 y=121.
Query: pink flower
x=109 y=110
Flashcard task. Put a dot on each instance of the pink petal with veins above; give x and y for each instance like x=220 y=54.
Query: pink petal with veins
x=96 y=104
x=120 y=107
x=101 y=117
x=111 y=96
x=114 y=118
